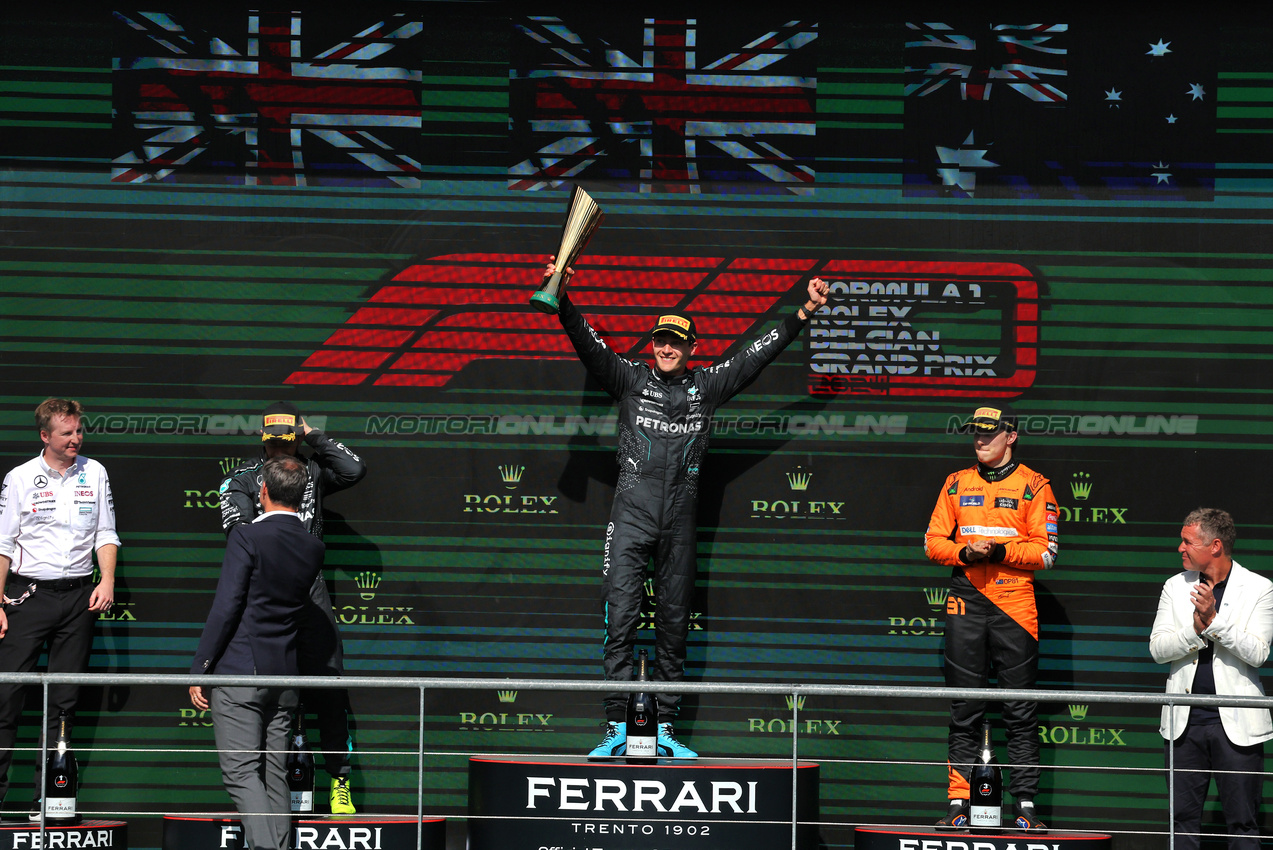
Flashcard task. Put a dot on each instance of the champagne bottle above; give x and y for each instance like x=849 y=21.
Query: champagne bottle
x=643 y=726
x=985 y=786
x=61 y=777
x=300 y=768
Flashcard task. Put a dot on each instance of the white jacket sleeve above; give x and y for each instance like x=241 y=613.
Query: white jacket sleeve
x=1249 y=641
x=1169 y=641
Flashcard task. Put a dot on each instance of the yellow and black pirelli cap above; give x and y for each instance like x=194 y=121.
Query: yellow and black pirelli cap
x=280 y=421
x=676 y=323
x=992 y=417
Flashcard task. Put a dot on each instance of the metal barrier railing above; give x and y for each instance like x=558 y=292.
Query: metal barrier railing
x=794 y=690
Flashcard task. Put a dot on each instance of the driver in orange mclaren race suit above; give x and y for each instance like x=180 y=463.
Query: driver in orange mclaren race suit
x=995 y=523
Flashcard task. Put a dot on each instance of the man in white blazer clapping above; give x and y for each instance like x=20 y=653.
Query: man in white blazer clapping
x=1214 y=624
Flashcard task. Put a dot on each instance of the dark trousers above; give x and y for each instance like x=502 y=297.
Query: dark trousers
x=1199 y=751
x=61 y=619
x=320 y=653
x=978 y=640
x=634 y=538
x=250 y=726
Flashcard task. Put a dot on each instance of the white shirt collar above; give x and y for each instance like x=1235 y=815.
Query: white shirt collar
x=277 y=513
x=51 y=471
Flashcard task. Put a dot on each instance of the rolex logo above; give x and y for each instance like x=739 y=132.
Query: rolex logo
x=511 y=475
x=1081 y=487
x=1078 y=712
x=506 y=696
x=229 y=464
x=936 y=596
x=649 y=588
x=367 y=584
x=799 y=480
x=795 y=702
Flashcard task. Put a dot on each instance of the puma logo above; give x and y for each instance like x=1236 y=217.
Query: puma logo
x=633 y=462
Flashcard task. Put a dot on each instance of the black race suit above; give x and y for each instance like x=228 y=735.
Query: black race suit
x=664 y=426
x=332 y=468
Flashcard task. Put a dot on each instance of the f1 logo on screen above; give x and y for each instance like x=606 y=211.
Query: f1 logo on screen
x=898 y=328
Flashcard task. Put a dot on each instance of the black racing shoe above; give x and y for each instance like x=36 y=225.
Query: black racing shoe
x=1025 y=819
x=956 y=816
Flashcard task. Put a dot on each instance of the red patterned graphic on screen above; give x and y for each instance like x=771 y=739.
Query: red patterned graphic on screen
x=890 y=329
x=438 y=316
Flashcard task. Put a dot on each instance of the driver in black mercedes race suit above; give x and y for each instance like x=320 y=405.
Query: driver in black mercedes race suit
x=332 y=467
x=665 y=414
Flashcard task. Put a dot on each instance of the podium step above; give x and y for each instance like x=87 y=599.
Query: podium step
x=16 y=835
x=370 y=832
x=900 y=838
x=548 y=801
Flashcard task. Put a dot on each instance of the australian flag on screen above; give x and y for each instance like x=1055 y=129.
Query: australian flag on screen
x=1123 y=110
x=663 y=105
x=267 y=97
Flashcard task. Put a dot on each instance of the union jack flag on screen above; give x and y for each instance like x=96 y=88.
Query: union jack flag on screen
x=281 y=98
x=686 y=105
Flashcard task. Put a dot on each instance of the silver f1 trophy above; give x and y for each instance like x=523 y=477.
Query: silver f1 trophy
x=582 y=220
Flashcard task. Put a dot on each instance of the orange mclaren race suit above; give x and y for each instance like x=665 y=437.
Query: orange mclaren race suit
x=991 y=619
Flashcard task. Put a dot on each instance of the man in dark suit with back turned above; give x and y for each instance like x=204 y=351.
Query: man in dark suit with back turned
x=269 y=567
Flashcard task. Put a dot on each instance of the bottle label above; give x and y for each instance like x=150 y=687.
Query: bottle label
x=985 y=815
x=642 y=747
x=302 y=801
x=60 y=807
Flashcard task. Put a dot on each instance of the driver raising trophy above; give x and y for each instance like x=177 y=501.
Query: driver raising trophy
x=665 y=415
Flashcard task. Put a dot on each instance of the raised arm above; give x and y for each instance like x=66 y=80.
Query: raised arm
x=617 y=374
x=725 y=380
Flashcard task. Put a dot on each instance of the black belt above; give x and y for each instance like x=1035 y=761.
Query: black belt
x=55 y=583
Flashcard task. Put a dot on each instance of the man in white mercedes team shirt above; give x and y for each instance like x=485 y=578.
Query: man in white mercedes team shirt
x=55 y=511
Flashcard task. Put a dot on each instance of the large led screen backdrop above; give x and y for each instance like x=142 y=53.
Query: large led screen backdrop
x=209 y=208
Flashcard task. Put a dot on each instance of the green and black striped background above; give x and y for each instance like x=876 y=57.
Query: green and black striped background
x=195 y=299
